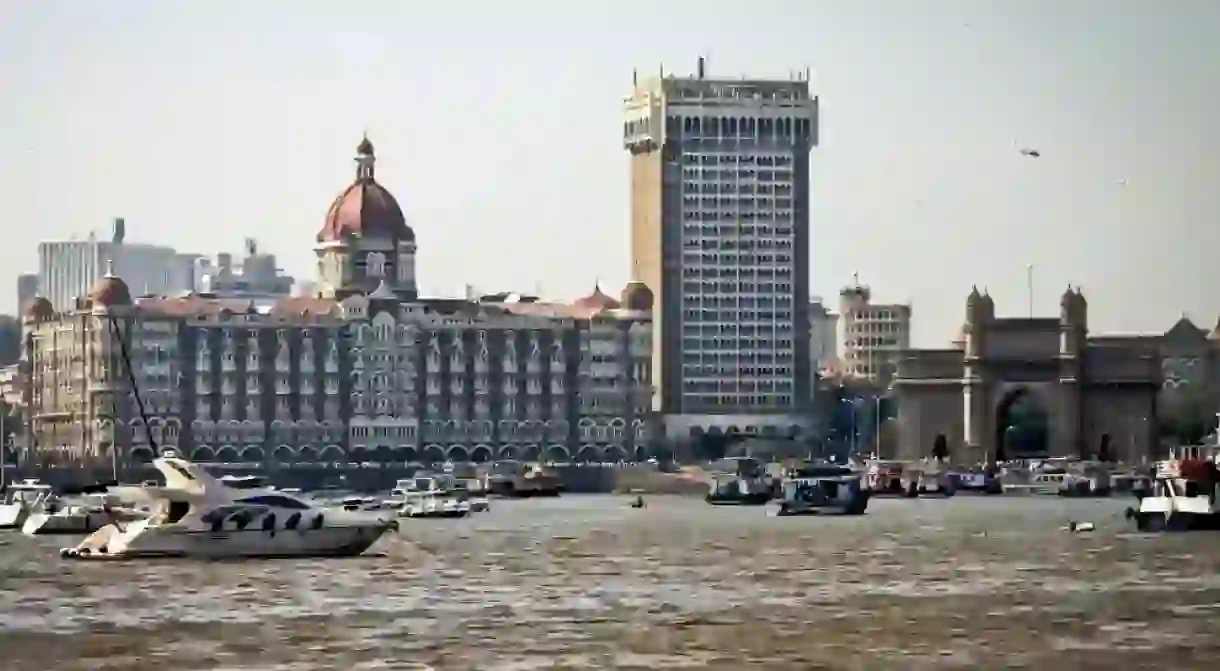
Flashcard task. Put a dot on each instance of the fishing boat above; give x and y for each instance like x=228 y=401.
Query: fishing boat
x=1183 y=495
x=195 y=515
x=823 y=489
x=19 y=499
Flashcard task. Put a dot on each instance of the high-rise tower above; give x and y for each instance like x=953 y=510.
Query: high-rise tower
x=720 y=232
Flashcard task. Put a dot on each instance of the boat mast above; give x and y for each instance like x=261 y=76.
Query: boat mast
x=135 y=391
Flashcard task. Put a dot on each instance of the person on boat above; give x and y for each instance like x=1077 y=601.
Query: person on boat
x=639 y=501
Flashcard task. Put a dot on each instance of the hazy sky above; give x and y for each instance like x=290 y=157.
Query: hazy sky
x=497 y=126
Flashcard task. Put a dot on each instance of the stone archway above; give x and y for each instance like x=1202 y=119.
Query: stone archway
x=1022 y=425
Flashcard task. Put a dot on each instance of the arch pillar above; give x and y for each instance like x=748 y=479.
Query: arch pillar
x=1066 y=440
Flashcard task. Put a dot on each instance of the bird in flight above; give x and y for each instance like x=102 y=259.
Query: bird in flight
x=1032 y=153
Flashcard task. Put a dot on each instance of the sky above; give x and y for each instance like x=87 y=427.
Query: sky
x=497 y=126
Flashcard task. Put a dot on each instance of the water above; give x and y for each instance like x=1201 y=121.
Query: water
x=588 y=583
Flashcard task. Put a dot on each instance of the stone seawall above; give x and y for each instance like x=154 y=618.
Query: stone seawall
x=577 y=478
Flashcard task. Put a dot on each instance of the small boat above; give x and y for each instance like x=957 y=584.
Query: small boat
x=474 y=492
x=824 y=490
x=1184 y=494
x=91 y=513
x=197 y=516
x=427 y=498
x=512 y=479
x=910 y=480
x=977 y=481
x=357 y=503
x=19 y=499
x=736 y=490
x=1085 y=480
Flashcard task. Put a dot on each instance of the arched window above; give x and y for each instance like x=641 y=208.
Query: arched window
x=376 y=264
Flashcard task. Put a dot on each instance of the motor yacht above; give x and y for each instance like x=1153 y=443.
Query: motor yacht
x=79 y=517
x=19 y=499
x=823 y=489
x=195 y=515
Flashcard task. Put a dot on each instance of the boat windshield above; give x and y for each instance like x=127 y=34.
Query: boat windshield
x=243 y=481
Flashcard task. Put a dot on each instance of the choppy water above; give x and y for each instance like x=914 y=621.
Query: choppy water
x=588 y=583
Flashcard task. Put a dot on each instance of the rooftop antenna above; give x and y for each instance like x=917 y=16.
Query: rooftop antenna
x=635 y=77
x=699 y=72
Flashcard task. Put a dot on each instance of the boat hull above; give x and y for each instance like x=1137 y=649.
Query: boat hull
x=12 y=515
x=157 y=543
x=69 y=524
x=751 y=499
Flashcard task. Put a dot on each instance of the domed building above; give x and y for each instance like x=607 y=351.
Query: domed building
x=365 y=239
x=108 y=292
x=38 y=309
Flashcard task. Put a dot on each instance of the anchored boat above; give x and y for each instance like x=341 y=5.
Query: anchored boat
x=1183 y=495
x=826 y=489
x=197 y=516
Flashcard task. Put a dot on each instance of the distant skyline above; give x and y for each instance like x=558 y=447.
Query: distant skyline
x=498 y=126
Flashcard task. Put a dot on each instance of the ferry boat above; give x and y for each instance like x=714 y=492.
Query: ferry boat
x=429 y=497
x=512 y=479
x=896 y=478
x=1183 y=495
x=739 y=481
x=825 y=489
x=19 y=499
x=195 y=515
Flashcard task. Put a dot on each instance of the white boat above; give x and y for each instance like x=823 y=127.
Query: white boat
x=19 y=499
x=427 y=497
x=360 y=503
x=92 y=512
x=823 y=490
x=197 y=516
x=1183 y=495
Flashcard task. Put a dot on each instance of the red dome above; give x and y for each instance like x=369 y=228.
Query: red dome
x=597 y=301
x=365 y=209
x=108 y=291
x=637 y=296
x=38 y=309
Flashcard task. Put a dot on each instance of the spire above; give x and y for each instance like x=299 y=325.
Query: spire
x=365 y=158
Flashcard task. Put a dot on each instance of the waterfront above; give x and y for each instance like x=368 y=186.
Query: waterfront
x=588 y=583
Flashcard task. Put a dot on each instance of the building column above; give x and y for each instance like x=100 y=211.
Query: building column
x=976 y=420
x=1066 y=439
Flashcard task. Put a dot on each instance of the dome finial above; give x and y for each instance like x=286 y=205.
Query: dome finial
x=365 y=159
x=109 y=268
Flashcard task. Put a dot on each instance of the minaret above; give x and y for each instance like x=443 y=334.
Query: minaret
x=977 y=420
x=1073 y=333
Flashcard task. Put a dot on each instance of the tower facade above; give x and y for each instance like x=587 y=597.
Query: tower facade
x=720 y=192
x=365 y=241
